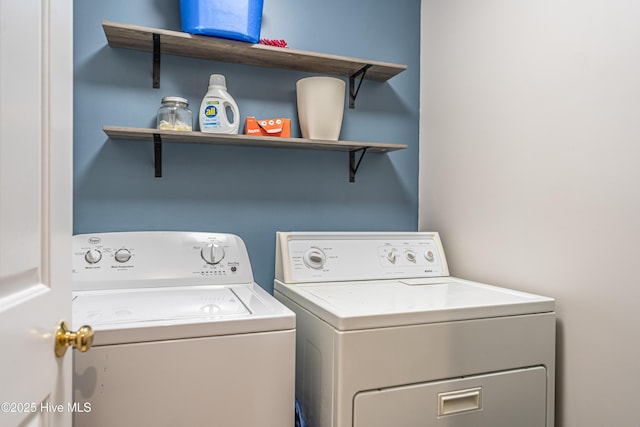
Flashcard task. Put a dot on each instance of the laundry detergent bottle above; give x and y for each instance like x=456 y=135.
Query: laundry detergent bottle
x=213 y=115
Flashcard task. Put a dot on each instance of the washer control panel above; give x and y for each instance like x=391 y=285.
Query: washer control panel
x=158 y=258
x=319 y=257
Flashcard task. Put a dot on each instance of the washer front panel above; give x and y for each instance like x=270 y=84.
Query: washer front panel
x=158 y=258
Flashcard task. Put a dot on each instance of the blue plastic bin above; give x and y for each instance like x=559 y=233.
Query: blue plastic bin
x=230 y=19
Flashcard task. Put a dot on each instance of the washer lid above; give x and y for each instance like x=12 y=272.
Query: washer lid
x=130 y=306
x=386 y=303
x=150 y=314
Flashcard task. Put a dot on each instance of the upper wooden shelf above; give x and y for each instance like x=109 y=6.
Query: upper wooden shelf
x=218 y=49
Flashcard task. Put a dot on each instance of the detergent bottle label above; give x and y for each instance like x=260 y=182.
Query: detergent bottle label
x=211 y=114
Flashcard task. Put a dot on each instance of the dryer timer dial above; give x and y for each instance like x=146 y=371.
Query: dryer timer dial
x=314 y=258
x=429 y=256
x=411 y=256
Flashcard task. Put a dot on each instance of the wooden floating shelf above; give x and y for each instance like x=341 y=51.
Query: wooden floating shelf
x=159 y=41
x=187 y=137
x=218 y=49
x=158 y=136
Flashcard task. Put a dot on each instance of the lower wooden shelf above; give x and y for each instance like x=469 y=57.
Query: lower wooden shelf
x=158 y=137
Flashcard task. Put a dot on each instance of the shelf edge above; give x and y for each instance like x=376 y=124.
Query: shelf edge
x=184 y=44
x=146 y=134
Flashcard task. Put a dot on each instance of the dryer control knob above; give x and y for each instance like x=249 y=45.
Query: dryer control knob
x=429 y=256
x=314 y=258
x=122 y=255
x=392 y=256
x=212 y=253
x=93 y=256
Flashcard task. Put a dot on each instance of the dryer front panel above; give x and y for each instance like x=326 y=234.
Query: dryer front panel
x=504 y=399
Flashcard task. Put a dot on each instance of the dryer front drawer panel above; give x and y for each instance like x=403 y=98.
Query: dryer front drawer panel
x=507 y=399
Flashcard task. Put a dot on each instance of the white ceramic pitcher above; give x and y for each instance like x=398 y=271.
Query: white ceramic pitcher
x=320 y=107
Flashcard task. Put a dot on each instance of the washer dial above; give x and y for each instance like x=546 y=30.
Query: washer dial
x=122 y=255
x=93 y=256
x=314 y=258
x=212 y=253
x=410 y=255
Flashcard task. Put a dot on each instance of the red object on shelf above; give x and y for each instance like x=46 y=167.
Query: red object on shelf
x=276 y=43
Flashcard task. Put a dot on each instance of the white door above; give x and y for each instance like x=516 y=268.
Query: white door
x=36 y=92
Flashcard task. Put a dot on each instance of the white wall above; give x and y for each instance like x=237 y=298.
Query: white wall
x=529 y=164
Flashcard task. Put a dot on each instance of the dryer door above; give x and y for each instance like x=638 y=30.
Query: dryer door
x=505 y=399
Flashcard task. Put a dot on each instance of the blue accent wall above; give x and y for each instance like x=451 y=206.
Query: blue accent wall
x=252 y=192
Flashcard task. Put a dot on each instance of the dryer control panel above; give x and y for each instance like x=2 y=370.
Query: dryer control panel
x=158 y=258
x=329 y=257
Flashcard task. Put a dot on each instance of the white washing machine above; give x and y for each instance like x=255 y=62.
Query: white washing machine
x=385 y=337
x=183 y=335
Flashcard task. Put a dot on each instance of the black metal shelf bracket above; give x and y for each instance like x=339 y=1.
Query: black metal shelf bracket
x=353 y=166
x=353 y=90
x=156 y=61
x=157 y=154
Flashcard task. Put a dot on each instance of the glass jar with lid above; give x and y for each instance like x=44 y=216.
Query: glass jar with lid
x=174 y=114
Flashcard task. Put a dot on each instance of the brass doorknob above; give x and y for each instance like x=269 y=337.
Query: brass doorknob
x=82 y=339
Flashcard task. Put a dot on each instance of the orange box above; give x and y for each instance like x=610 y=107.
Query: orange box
x=269 y=127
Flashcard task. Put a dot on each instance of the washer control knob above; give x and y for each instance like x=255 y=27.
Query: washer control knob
x=93 y=256
x=392 y=256
x=411 y=256
x=122 y=255
x=314 y=258
x=429 y=256
x=212 y=253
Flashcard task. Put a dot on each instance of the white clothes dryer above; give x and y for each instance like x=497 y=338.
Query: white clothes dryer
x=183 y=335
x=385 y=337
